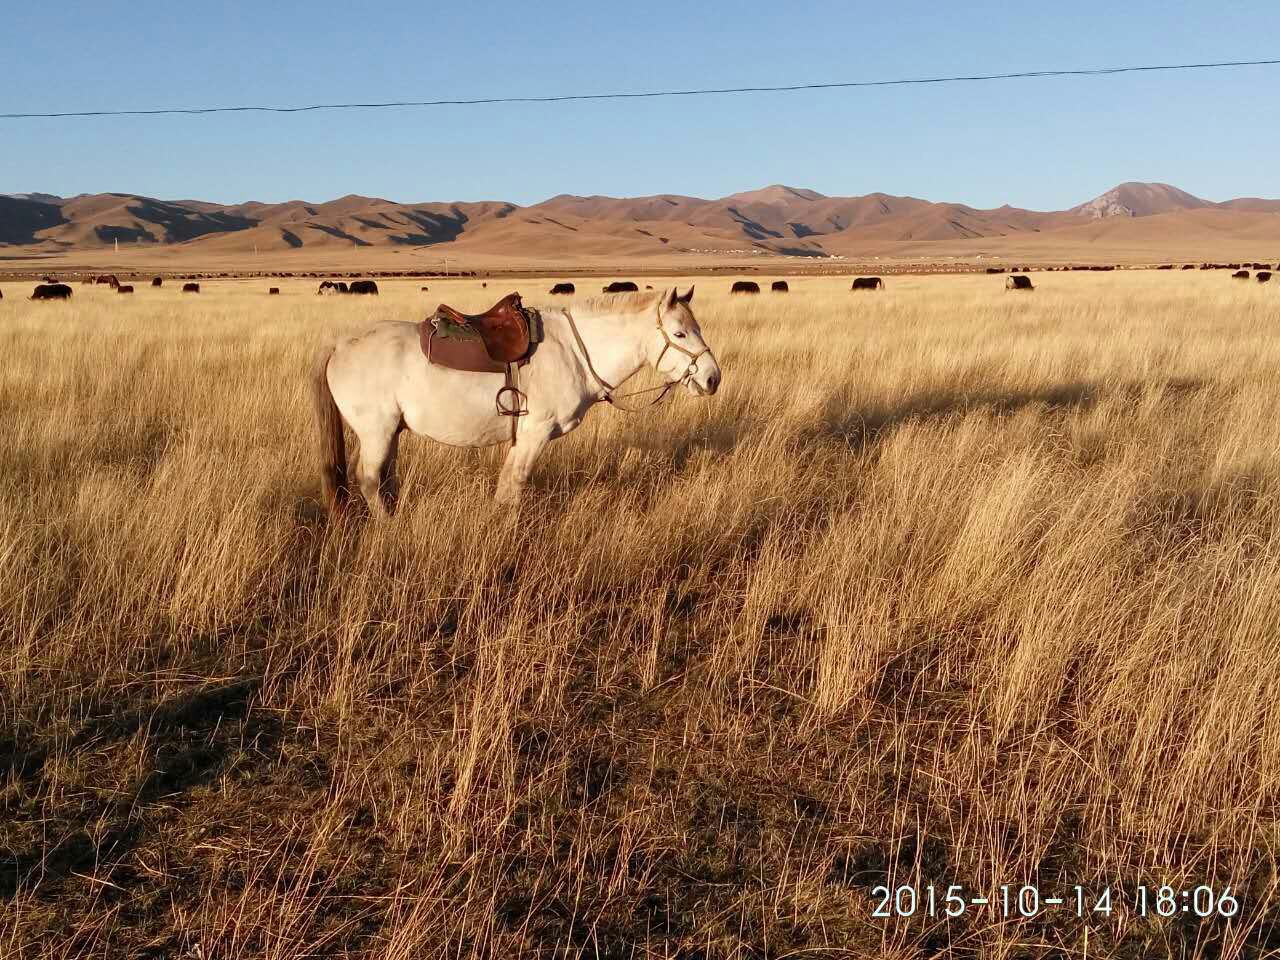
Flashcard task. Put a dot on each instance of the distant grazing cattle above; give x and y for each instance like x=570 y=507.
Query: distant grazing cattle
x=621 y=286
x=995 y=269
x=484 y=284
x=563 y=288
x=157 y=281
x=125 y=288
x=362 y=286
x=191 y=288
x=108 y=279
x=425 y=289
x=867 y=283
x=1017 y=282
x=745 y=286
x=1264 y=276
x=1165 y=266
x=1188 y=266
x=1261 y=266
x=779 y=286
x=51 y=291
x=1240 y=275
x=273 y=291
x=331 y=287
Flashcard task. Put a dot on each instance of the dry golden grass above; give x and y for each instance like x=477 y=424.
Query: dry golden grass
x=947 y=585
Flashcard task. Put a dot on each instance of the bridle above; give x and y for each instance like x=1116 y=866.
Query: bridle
x=668 y=344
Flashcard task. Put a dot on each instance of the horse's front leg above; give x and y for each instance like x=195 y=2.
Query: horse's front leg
x=531 y=440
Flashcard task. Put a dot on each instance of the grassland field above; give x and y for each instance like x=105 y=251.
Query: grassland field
x=947 y=585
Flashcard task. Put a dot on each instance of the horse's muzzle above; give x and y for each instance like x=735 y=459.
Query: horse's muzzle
x=706 y=389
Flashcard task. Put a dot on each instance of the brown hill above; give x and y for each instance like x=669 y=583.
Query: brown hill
x=779 y=220
x=1139 y=200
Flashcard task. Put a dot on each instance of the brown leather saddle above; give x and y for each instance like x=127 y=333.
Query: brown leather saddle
x=499 y=340
x=503 y=328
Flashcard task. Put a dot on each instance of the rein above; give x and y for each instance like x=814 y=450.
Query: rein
x=610 y=388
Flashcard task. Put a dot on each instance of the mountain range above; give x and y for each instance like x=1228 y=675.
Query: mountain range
x=777 y=220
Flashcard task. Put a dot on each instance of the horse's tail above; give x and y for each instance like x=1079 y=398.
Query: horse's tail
x=333 y=446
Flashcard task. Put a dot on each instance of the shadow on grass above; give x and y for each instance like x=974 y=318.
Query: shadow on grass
x=190 y=738
x=863 y=429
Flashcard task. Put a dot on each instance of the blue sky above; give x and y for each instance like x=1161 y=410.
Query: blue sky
x=1043 y=144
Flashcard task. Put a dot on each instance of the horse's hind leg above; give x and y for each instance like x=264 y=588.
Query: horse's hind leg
x=376 y=469
x=388 y=483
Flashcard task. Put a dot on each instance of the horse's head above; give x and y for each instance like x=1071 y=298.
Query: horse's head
x=678 y=351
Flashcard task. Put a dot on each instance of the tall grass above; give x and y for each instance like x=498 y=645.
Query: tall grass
x=947 y=585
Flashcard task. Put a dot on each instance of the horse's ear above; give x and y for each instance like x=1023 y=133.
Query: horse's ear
x=687 y=298
x=673 y=299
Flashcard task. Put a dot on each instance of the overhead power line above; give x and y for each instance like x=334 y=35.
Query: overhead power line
x=645 y=94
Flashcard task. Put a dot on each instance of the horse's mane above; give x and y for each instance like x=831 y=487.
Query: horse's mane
x=640 y=302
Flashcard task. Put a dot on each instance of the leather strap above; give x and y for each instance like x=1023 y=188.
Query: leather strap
x=518 y=405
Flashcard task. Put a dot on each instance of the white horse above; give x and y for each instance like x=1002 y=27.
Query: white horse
x=380 y=383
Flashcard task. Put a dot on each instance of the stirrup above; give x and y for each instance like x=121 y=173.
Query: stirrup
x=516 y=407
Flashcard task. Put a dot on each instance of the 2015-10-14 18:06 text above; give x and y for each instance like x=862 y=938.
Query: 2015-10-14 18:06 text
x=1026 y=900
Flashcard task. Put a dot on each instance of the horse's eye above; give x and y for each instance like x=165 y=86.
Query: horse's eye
x=680 y=334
